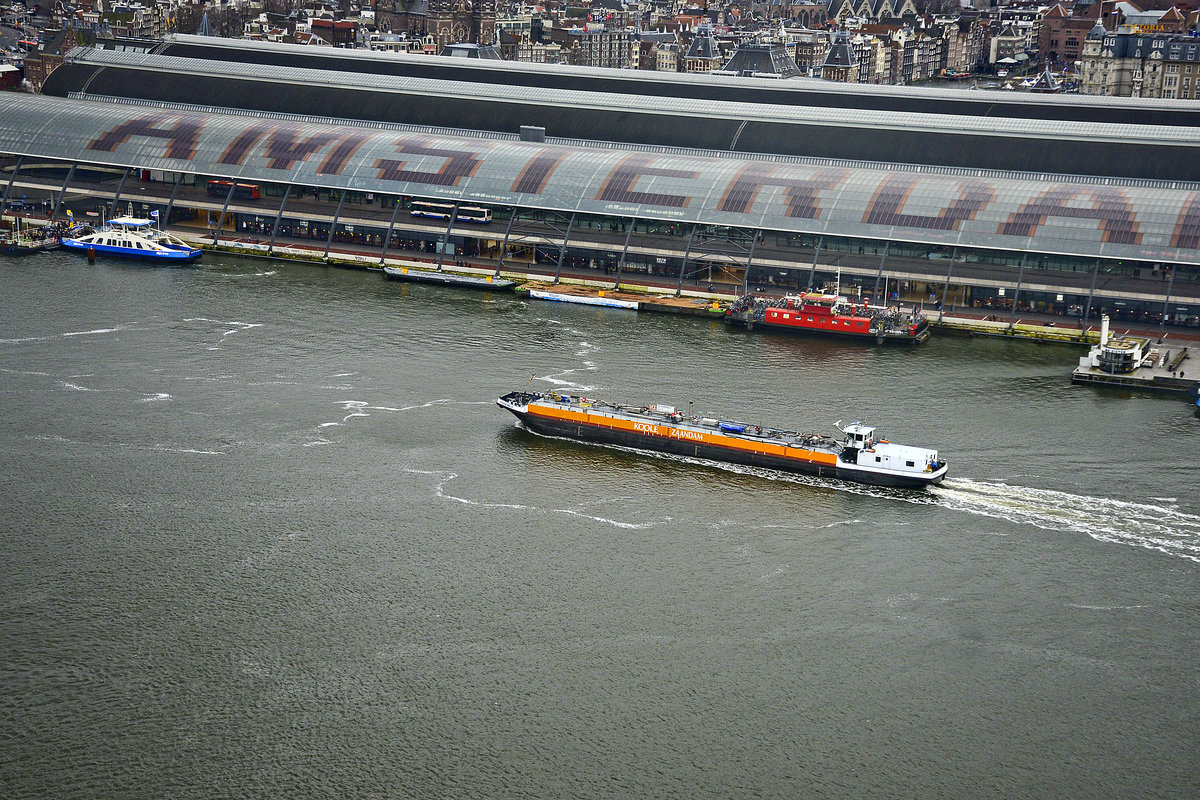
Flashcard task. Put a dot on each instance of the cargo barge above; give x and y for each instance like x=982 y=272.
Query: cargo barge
x=860 y=456
x=829 y=315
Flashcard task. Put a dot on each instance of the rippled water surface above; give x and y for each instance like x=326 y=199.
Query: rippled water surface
x=267 y=535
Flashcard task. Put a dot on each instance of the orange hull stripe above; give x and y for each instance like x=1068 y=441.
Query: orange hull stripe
x=650 y=430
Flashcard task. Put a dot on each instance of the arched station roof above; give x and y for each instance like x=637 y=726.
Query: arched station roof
x=1087 y=148
x=799 y=91
x=1110 y=219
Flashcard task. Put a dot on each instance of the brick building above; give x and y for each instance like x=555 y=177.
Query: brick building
x=1126 y=63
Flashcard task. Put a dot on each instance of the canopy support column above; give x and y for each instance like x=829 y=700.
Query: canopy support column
x=117 y=194
x=11 y=181
x=387 y=240
x=446 y=236
x=1017 y=295
x=749 y=260
x=812 y=271
x=171 y=200
x=62 y=193
x=221 y=217
x=287 y=192
x=625 y=251
x=562 y=253
x=1087 y=311
x=879 y=273
x=333 y=225
x=946 y=285
x=686 y=255
x=512 y=217
x=1162 y=324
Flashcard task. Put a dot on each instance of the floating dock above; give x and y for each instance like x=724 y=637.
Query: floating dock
x=447 y=278
x=587 y=300
x=1032 y=331
x=623 y=298
x=1138 y=362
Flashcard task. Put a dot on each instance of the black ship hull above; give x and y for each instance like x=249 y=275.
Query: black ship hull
x=26 y=249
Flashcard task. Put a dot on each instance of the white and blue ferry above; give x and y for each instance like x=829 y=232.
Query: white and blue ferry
x=132 y=237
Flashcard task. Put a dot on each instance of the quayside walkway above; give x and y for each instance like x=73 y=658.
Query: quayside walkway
x=658 y=293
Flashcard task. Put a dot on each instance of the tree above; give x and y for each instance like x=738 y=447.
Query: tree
x=227 y=22
x=187 y=18
x=280 y=7
x=937 y=7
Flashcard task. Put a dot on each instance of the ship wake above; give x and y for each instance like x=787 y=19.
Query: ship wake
x=446 y=477
x=1160 y=526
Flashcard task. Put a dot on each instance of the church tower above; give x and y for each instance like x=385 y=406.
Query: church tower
x=840 y=64
x=462 y=21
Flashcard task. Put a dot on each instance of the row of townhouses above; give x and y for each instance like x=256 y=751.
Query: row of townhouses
x=1111 y=47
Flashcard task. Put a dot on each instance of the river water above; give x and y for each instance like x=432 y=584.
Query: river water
x=266 y=534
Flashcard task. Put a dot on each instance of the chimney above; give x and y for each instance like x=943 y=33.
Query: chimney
x=532 y=133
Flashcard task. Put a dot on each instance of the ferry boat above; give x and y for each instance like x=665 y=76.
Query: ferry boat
x=132 y=237
x=860 y=455
x=829 y=315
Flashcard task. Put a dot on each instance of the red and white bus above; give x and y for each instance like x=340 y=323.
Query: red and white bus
x=243 y=191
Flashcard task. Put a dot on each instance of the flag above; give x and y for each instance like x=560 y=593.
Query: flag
x=154 y=213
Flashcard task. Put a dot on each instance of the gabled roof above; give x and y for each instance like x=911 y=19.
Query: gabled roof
x=661 y=37
x=471 y=50
x=840 y=53
x=762 y=59
x=1127 y=8
x=703 y=45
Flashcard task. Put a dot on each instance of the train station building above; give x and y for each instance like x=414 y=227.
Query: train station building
x=699 y=184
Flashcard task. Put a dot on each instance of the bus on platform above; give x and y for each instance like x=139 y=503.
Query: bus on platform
x=243 y=191
x=421 y=208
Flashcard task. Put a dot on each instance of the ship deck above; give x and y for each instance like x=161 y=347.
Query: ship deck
x=693 y=422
